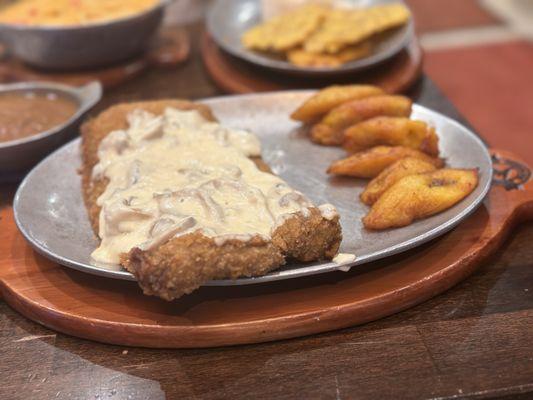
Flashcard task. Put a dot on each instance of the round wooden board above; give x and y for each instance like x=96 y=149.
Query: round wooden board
x=237 y=76
x=171 y=47
x=117 y=312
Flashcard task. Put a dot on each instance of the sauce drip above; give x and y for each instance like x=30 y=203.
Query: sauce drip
x=27 y=113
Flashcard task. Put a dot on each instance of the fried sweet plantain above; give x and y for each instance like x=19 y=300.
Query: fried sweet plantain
x=418 y=196
x=303 y=58
x=391 y=131
x=285 y=31
x=369 y=163
x=327 y=98
x=392 y=174
x=330 y=129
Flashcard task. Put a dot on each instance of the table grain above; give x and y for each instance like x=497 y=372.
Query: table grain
x=474 y=341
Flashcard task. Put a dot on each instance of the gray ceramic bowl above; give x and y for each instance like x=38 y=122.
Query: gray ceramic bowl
x=227 y=20
x=17 y=156
x=87 y=46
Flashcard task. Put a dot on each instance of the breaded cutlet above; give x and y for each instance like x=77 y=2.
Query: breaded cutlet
x=183 y=263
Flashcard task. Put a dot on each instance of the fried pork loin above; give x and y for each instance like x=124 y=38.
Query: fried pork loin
x=183 y=263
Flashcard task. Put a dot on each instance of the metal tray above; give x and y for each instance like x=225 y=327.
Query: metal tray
x=227 y=20
x=49 y=209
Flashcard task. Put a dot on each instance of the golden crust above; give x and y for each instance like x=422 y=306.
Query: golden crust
x=392 y=174
x=182 y=264
x=391 y=131
x=419 y=196
x=330 y=129
x=370 y=163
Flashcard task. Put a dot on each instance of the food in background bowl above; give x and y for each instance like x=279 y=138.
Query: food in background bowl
x=70 y=12
x=319 y=36
x=95 y=43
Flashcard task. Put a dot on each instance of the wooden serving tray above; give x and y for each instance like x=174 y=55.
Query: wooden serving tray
x=117 y=312
x=237 y=76
x=170 y=48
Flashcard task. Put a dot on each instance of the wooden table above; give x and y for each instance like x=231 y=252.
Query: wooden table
x=475 y=341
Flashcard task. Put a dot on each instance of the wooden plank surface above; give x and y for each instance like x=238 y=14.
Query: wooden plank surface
x=117 y=312
x=474 y=341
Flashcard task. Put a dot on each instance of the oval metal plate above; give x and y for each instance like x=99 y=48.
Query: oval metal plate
x=49 y=209
x=227 y=20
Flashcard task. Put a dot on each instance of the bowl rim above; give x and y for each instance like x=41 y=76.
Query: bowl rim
x=86 y=96
x=159 y=4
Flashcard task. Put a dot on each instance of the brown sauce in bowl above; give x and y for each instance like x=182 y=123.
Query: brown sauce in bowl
x=27 y=113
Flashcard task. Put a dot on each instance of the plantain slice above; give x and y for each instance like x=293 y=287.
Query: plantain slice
x=391 y=131
x=392 y=174
x=418 y=196
x=330 y=129
x=369 y=163
x=324 y=100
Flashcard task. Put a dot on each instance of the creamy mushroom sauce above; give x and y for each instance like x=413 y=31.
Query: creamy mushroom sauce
x=344 y=258
x=178 y=173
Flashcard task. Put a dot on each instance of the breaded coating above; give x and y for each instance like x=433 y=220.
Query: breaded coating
x=371 y=162
x=391 y=131
x=330 y=130
x=182 y=264
x=418 y=196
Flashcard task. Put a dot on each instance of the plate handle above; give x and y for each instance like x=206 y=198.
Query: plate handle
x=512 y=180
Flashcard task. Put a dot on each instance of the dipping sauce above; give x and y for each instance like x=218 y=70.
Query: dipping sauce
x=70 y=12
x=27 y=113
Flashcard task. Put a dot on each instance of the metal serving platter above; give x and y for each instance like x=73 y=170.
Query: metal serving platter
x=227 y=20
x=49 y=209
